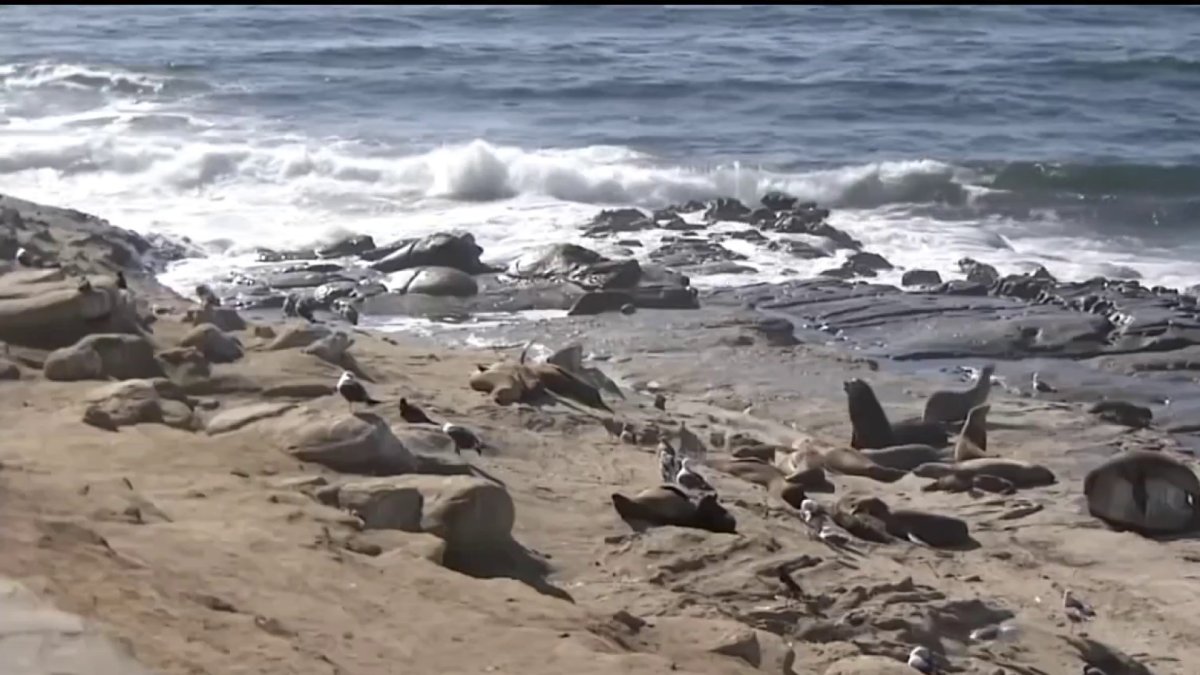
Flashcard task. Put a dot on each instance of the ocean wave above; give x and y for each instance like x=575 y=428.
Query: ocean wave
x=1090 y=180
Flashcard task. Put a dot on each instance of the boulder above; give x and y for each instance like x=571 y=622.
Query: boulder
x=139 y=402
x=1145 y=492
x=298 y=335
x=980 y=273
x=458 y=251
x=666 y=297
x=438 y=281
x=9 y=370
x=99 y=357
x=44 y=310
x=920 y=278
x=224 y=318
x=236 y=418
x=184 y=365
x=384 y=503
x=609 y=221
x=555 y=260
x=727 y=209
x=360 y=443
x=778 y=201
x=353 y=245
x=216 y=346
x=599 y=302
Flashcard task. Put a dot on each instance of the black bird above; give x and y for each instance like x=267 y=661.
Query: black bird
x=121 y=280
x=412 y=414
x=463 y=438
x=207 y=297
x=789 y=583
x=353 y=391
x=85 y=285
x=660 y=401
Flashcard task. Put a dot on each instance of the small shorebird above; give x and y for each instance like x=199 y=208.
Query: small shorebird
x=464 y=438
x=353 y=391
x=1077 y=611
x=412 y=414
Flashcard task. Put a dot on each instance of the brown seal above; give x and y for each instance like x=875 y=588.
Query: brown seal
x=931 y=529
x=1145 y=492
x=871 y=428
x=972 y=441
x=954 y=406
x=850 y=462
x=906 y=457
x=970 y=483
x=669 y=505
x=863 y=517
x=1020 y=474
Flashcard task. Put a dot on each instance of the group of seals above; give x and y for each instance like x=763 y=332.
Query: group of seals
x=872 y=430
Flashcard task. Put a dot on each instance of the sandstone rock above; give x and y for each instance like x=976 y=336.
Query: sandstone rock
x=437 y=281
x=869 y=665
x=99 y=357
x=331 y=348
x=44 y=310
x=139 y=402
x=224 y=318
x=216 y=346
x=298 y=335
x=362 y=443
x=9 y=370
x=458 y=251
x=920 y=278
x=236 y=418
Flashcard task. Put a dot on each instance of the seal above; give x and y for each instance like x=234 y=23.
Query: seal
x=906 y=457
x=669 y=505
x=750 y=470
x=871 y=428
x=931 y=529
x=972 y=441
x=851 y=462
x=1144 y=492
x=1020 y=474
x=967 y=483
x=863 y=517
x=954 y=406
x=1123 y=413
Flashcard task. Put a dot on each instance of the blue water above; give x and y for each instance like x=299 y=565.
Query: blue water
x=1065 y=136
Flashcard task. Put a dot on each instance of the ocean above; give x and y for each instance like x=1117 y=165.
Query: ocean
x=1064 y=136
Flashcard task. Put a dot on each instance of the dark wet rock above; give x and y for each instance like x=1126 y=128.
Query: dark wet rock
x=665 y=297
x=727 y=209
x=434 y=281
x=326 y=293
x=1025 y=287
x=978 y=272
x=761 y=216
x=691 y=252
x=1123 y=413
x=555 y=260
x=353 y=245
x=920 y=278
x=608 y=274
x=266 y=255
x=1043 y=273
x=610 y=221
x=720 y=268
x=813 y=224
x=859 y=265
x=778 y=201
x=633 y=243
x=749 y=234
x=290 y=280
x=458 y=251
x=800 y=249
x=962 y=287
x=317 y=268
x=599 y=302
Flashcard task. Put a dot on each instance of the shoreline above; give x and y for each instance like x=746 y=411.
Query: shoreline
x=209 y=563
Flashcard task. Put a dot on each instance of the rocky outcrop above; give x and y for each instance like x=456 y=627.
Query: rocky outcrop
x=215 y=345
x=99 y=357
x=361 y=443
x=439 y=281
x=458 y=251
x=44 y=309
x=156 y=401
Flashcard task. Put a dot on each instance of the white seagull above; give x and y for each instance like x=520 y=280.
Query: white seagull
x=690 y=480
x=921 y=660
x=353 y=391
x=464 y=438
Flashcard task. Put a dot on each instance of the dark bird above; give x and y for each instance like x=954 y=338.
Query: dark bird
x=85 y=285
x=25 y=258
x=348 y=312
x=121 y=280
x=412 y=414
x=789 y=583
x=207 y=297
x=463 y=438
x=660 y=401
x=353 y=391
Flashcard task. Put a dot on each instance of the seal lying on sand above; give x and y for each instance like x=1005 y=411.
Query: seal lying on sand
x=906 y=457
x=972 y=441
x=1144 y=492
x=669 y=505
x=953 y=406
x=850 y=462
x=873 y=430
x=870 y=518
x=970 y=483
x=1020 y=474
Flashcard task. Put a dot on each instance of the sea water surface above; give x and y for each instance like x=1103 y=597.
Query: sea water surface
x=1067 y=136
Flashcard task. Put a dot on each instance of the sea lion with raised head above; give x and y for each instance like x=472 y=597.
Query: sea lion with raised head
x=669 y=505
x=1020 y=474
x=1145 y=492
x=871 y=428
x=954 y=406
x=972 y=441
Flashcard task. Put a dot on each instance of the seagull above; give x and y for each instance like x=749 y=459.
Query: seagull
x=668 y=462
x=207 y=297
x=1077 y=610
x=463 y=438
x=811 y=511
x=690 y=480
x=353 y=391
x=832 y=536
x=921 y=660
x=121 y=283
x=412 y=414
x=1040 y=386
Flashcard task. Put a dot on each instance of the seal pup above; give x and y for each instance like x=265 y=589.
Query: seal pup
x=464 y=438
x=689 y=479
x=121 y=283
x=972 y=441
x=954 y=406
x=1123 y=413
x=412 y=414
x=928 y=529
x=1144 y=492
x=921 y=660
x=353 y=391
x=206 y=296
x=871 y=428
x=670 y=505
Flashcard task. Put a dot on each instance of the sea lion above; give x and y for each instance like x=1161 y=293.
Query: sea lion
x=906 y=457
x=1020 y=474
x=761 y=452
x=567 y=385
x=1123 y=413
x=669 y=505
x=954 y=406
x=1145 y=492
x=750 y=470
x=871 y=428
x=863 y=517
x=972 y=441
x=952 y=482
x=851 y=462
x=930 y=529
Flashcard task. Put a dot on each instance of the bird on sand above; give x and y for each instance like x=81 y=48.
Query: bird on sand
x=121 y=283
x=788 y=582
x=668 y=462
x=1041 y=386
x=206 y=296
x=24 y=258
x=1077 y=611
x=921 y=660
x=353 y=391
x=412 y=414
x=690 y=480
x=464 y=438
x=660 y=401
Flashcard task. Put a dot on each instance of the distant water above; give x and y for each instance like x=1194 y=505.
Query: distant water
x=1067 y=136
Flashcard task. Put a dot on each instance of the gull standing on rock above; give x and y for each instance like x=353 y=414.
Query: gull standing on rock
x=353 y=391
x=921 y=660
x=464 y=438
x=690 y=480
